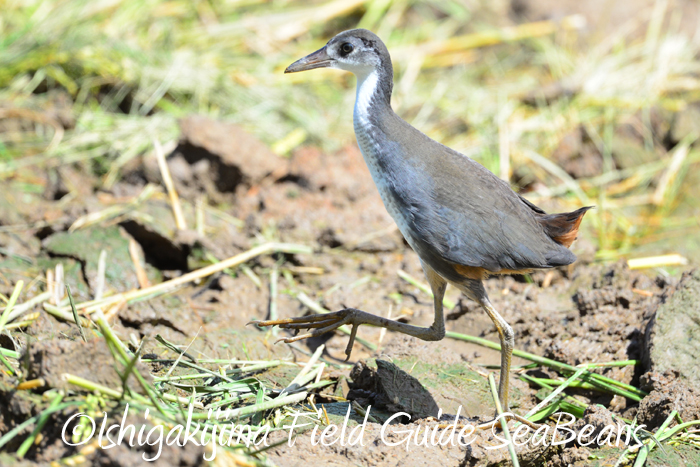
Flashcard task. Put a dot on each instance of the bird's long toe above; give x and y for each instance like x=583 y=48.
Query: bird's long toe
x=310 y=325
x=320 y=323
x=299 y=319
x=314 y=333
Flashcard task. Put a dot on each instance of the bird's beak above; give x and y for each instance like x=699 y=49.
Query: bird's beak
x=318 y=59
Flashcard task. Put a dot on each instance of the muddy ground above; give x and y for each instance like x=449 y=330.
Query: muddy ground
x=588 y=312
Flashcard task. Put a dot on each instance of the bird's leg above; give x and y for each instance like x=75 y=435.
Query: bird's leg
x=475 y=290
x=438 y=285
x=322 y=323
x=505 y=334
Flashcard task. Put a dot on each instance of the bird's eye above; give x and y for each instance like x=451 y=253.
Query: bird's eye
x=346 y=48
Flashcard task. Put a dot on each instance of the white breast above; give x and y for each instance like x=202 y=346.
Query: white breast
x=366 y=88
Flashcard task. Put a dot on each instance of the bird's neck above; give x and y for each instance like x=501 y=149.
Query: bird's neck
x=375 y=134
x=373 y=96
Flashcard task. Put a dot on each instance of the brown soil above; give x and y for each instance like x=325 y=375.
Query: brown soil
x=583 y=313
x=51 y=359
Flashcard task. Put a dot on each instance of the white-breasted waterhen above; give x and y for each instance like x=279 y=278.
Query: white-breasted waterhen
x=462 y=221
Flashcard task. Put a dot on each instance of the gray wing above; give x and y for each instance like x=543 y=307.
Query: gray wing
x=466 y=215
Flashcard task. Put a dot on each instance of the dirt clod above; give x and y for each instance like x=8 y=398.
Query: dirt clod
x=216 y=158
x=598 y=417
x=572 y=456
x=51 y=359
x=668 y=394
x=589 y=300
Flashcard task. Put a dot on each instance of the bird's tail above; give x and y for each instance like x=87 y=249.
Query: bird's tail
x=563 y=227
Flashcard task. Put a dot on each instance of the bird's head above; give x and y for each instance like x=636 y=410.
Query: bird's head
x=357 y=50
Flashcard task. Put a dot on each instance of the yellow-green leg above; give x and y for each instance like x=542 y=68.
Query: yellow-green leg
x=475 y=290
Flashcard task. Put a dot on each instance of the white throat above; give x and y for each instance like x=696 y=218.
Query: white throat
x=366 y=89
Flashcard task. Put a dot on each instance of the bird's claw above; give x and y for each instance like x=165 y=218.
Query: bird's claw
x=317 y=325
